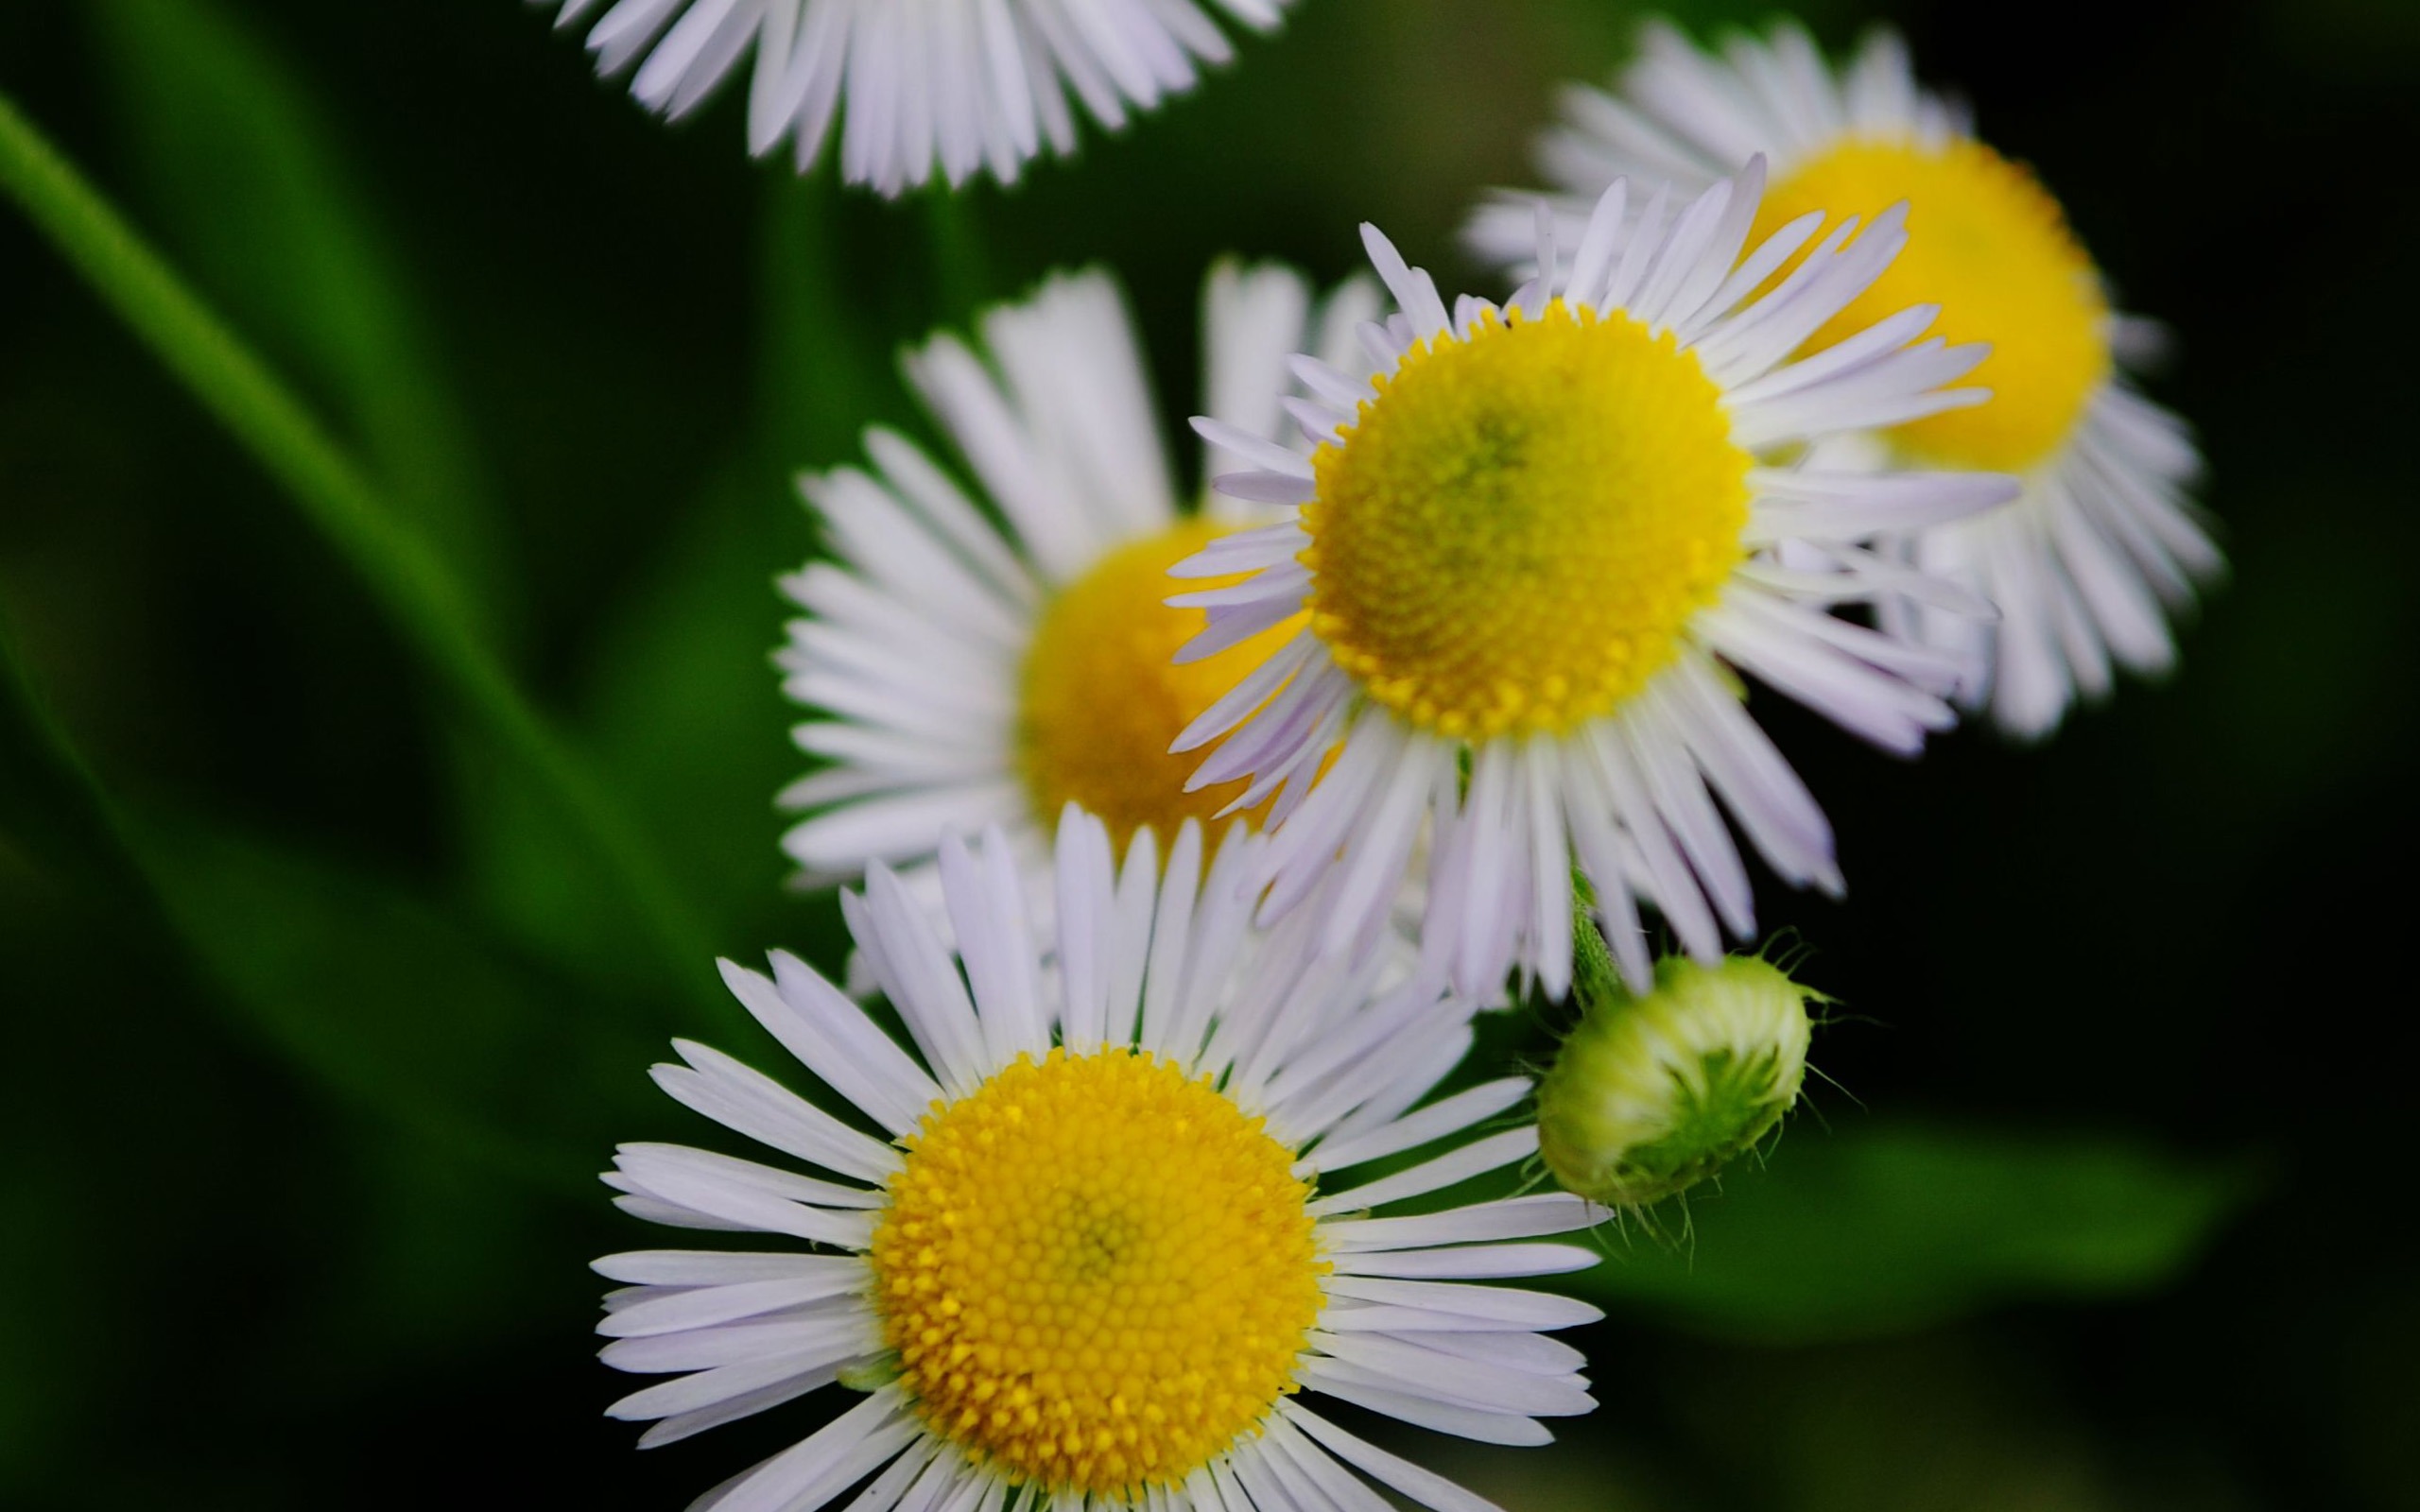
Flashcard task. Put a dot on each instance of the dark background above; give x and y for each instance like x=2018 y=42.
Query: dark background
x=318 y=1019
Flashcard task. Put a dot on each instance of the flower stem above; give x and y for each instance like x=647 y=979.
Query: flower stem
x=961 y=270
x=421 y=598
x=1595 y=979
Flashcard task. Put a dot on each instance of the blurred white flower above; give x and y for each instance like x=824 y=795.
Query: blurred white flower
x=965 y=675
x=2104 y=544
x=923 y=85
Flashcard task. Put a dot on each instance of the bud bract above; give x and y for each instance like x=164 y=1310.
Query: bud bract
x=1654 y=1092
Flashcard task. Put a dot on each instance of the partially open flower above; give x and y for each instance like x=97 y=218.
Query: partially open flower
x=1654 y=1092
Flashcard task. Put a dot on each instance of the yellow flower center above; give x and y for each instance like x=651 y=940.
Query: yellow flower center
x=1518 y=527
x=1101 y=698
x=1097 y=1272
x=1988 y=244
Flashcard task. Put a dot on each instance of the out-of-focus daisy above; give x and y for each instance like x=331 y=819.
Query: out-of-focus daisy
x=2104 y=546
x=966 y=677
x=1528 y=550
x=923 y=85
x=1096 y=1249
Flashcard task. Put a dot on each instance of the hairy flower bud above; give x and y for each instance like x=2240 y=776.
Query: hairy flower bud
x=1652 y=1093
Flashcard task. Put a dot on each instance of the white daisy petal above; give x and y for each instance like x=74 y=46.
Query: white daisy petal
x=626 y=30
x=1414 y=291
x=712 y=1267
x=1253 y=451
x=923 y=983
x=1476 y=1262
x=1513 y=1350
x=994 y=939
x=803 y=1478
x=898 y=826
x=1476 y=1383
x=720 y=1189
x=888 y=1490
x=1411 y=1074
x=1472 y=1159
x=1265 y=1488
x=1252 y=318
x=1398 y=1039
x=853 y=1056
x=747 y=1404
x=694 y=1397
x=1270 y=1487
x=1449 y=1116
x=804 y=1343
x=1512 y=1218
x=1329 y=1479
x=1426 y=1487
x=699 y=1308
x=672 y=1215
x=1351 y=1383
x=740 y=1098
x=1496 y=1306
x=942 y=1479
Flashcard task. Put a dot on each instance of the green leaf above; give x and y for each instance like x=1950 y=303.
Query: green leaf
x=401 y=1010
x=410 y=579
x=247 y=172
x=1893 y=1226
x=53 y=829
x=688 y=723
x=683 y=706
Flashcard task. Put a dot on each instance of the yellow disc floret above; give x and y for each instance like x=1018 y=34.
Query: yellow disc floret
x=1101 y=697
x=1516 y=531
x=1989 y=245
x=1096 y=1273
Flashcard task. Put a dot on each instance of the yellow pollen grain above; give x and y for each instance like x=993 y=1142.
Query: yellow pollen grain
x=1988 y=244
x=1100 y=697
x=1097 y=1272
x=1518 y=527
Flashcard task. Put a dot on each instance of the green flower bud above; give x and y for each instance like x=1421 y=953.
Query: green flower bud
x=1651 y=1094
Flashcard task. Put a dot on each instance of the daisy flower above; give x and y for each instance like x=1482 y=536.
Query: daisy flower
x=952 y=85
x=965 y=675
x=1095 y=1252
x=1524 y=559
x=2104 y=546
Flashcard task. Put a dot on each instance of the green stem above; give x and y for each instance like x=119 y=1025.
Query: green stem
x=53 y=806
x=112 y=847
x=1595 y=979
x=424 y=602
x=960 y=267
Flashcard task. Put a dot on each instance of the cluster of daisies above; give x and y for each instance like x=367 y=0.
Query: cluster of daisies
x=1187 y=824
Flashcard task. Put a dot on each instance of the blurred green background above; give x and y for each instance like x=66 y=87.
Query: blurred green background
x=322 y=1009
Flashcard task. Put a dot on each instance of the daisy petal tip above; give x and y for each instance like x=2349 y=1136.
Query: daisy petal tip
x=735 y=975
